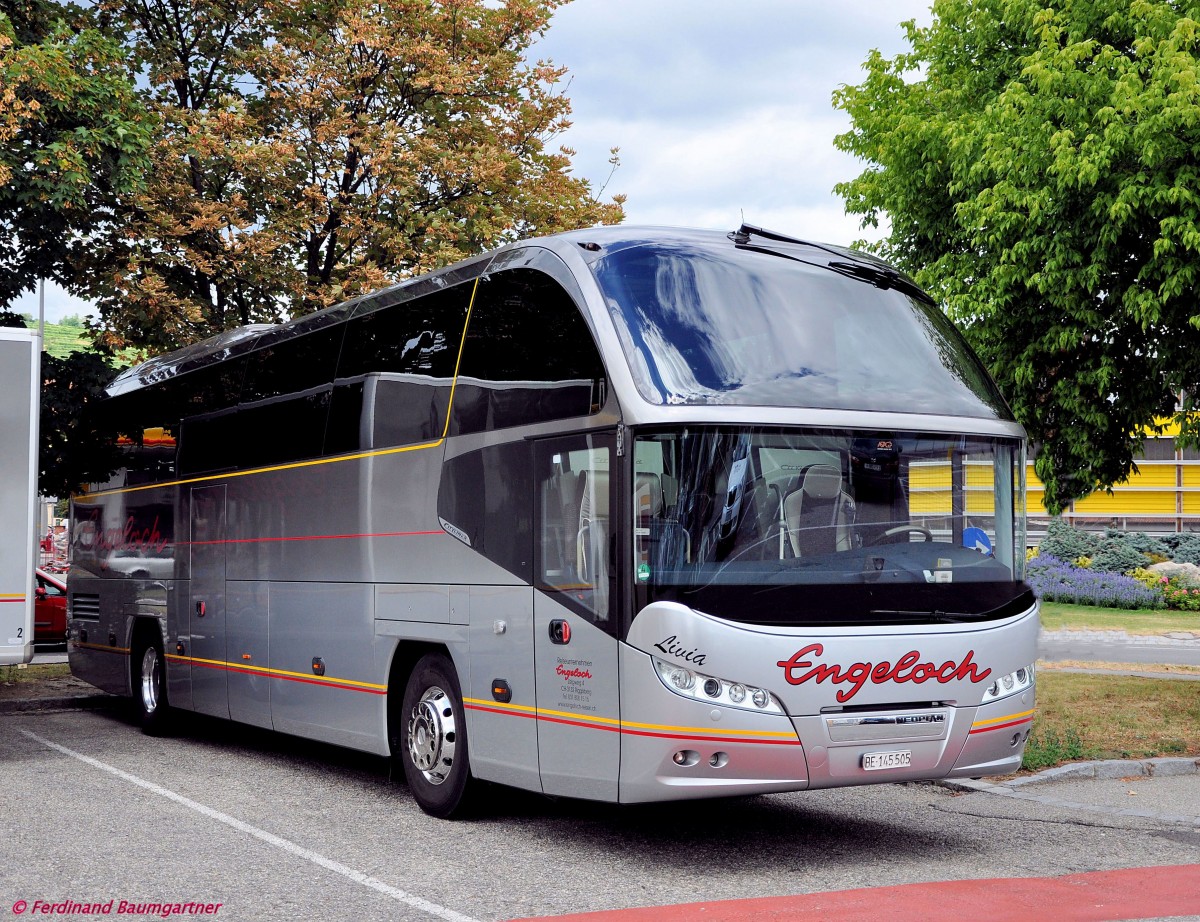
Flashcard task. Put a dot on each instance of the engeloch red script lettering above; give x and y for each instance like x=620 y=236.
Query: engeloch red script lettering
x=908 y=668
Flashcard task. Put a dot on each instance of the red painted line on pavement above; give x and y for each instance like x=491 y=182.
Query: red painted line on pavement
x=1097 y=896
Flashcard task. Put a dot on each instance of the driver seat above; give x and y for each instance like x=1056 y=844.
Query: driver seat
x=818 y=516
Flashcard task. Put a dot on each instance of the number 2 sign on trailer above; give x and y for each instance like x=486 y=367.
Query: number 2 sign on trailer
x=18 y=486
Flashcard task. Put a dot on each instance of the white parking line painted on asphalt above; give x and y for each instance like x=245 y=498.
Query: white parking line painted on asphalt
x=358 y=877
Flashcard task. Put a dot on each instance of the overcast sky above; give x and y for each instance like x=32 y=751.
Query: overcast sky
x=721 y=109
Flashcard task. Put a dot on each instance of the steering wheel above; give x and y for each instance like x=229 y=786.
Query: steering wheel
x=902 y=530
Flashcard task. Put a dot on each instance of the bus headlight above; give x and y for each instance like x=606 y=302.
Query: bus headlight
x=711 y=690
x=1009 y=684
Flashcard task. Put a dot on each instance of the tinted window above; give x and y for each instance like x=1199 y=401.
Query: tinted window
x=711 y=323
x=146 y=429
x=395 y=373
x=286 y=397
x=486 y=497
x=528 y=356
x=207 y=400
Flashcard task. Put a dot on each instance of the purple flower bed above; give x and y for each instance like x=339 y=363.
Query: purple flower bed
x=1055 y=580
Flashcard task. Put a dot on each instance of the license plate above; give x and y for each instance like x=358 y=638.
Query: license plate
x=897 y=758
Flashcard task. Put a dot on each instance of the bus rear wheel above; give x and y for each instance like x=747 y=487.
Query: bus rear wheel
x=150 y=685
x=433 y=739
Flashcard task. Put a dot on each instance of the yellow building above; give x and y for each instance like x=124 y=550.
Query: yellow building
x=1163 y=495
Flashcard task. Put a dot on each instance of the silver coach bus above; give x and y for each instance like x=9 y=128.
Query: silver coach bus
x=621 y=514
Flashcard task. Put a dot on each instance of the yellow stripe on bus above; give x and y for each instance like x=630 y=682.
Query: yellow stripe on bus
x=615 y=722
x=358 y=456
x=1000 y=720
x=267 y=671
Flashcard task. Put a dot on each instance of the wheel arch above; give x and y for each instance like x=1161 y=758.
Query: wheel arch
x=143 y=629
x=404 y=660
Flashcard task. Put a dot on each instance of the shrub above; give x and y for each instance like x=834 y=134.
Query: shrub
x=1066 y=542
x=1117 y=555
x=1187 y=549
x=1148 y=578
x=1147 y=544
x=1056 y=581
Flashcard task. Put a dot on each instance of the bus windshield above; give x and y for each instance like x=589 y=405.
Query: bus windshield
x=706 y=322
x=797 y=526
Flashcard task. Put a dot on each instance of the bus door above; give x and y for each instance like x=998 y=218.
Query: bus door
x=575 y=615
x=209 y=682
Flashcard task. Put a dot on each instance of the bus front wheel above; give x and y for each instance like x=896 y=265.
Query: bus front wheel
x=150 y=685
x=433 y=738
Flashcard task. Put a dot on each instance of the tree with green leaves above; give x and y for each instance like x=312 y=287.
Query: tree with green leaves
x=1038 y=162
x=312 y=152
x=75 y=447
x=74 y=136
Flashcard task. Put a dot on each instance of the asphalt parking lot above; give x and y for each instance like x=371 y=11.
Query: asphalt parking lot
x=272 y=827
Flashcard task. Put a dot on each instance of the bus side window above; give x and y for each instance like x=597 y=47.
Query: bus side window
x=145 y=436
x=575 y=538
x=528 y=356
x=396 y=371
x=209 y=431
x=485 y=496
x=285 y=398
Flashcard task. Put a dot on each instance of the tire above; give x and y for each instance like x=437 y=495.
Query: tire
x=150 y=685
x=433 y=739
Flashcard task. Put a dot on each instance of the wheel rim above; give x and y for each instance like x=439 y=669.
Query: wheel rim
x=431 y=735
x=150 y=680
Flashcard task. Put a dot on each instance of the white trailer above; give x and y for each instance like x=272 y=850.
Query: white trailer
x=20 y=358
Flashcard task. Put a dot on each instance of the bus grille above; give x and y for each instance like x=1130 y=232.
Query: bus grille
x=86 y=605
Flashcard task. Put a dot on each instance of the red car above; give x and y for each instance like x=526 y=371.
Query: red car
x=49 y=609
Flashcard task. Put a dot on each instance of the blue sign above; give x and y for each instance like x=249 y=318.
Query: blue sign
x=977 y=540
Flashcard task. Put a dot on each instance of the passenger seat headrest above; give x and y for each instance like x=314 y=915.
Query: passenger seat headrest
x=822 y=481
x=648 y=491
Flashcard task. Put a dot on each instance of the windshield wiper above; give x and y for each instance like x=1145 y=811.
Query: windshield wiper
x=881 y=277
x=1021 y=603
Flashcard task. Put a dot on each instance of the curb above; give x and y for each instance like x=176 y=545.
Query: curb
x=67 y=703
x=1075 y=771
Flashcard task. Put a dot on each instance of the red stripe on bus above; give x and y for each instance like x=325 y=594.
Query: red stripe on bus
x=626 y=730
x=381 y=534
x=480 y=707
x=324 y=683
x=711 y=739
x=1011 y=723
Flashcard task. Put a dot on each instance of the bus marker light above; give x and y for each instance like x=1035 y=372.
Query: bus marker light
x=501 y=691
x=318 y=666
x=246 y=656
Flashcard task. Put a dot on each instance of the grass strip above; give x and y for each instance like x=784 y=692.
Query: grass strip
x=15 y=675
x=1085 y=716
x=1058 y=616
